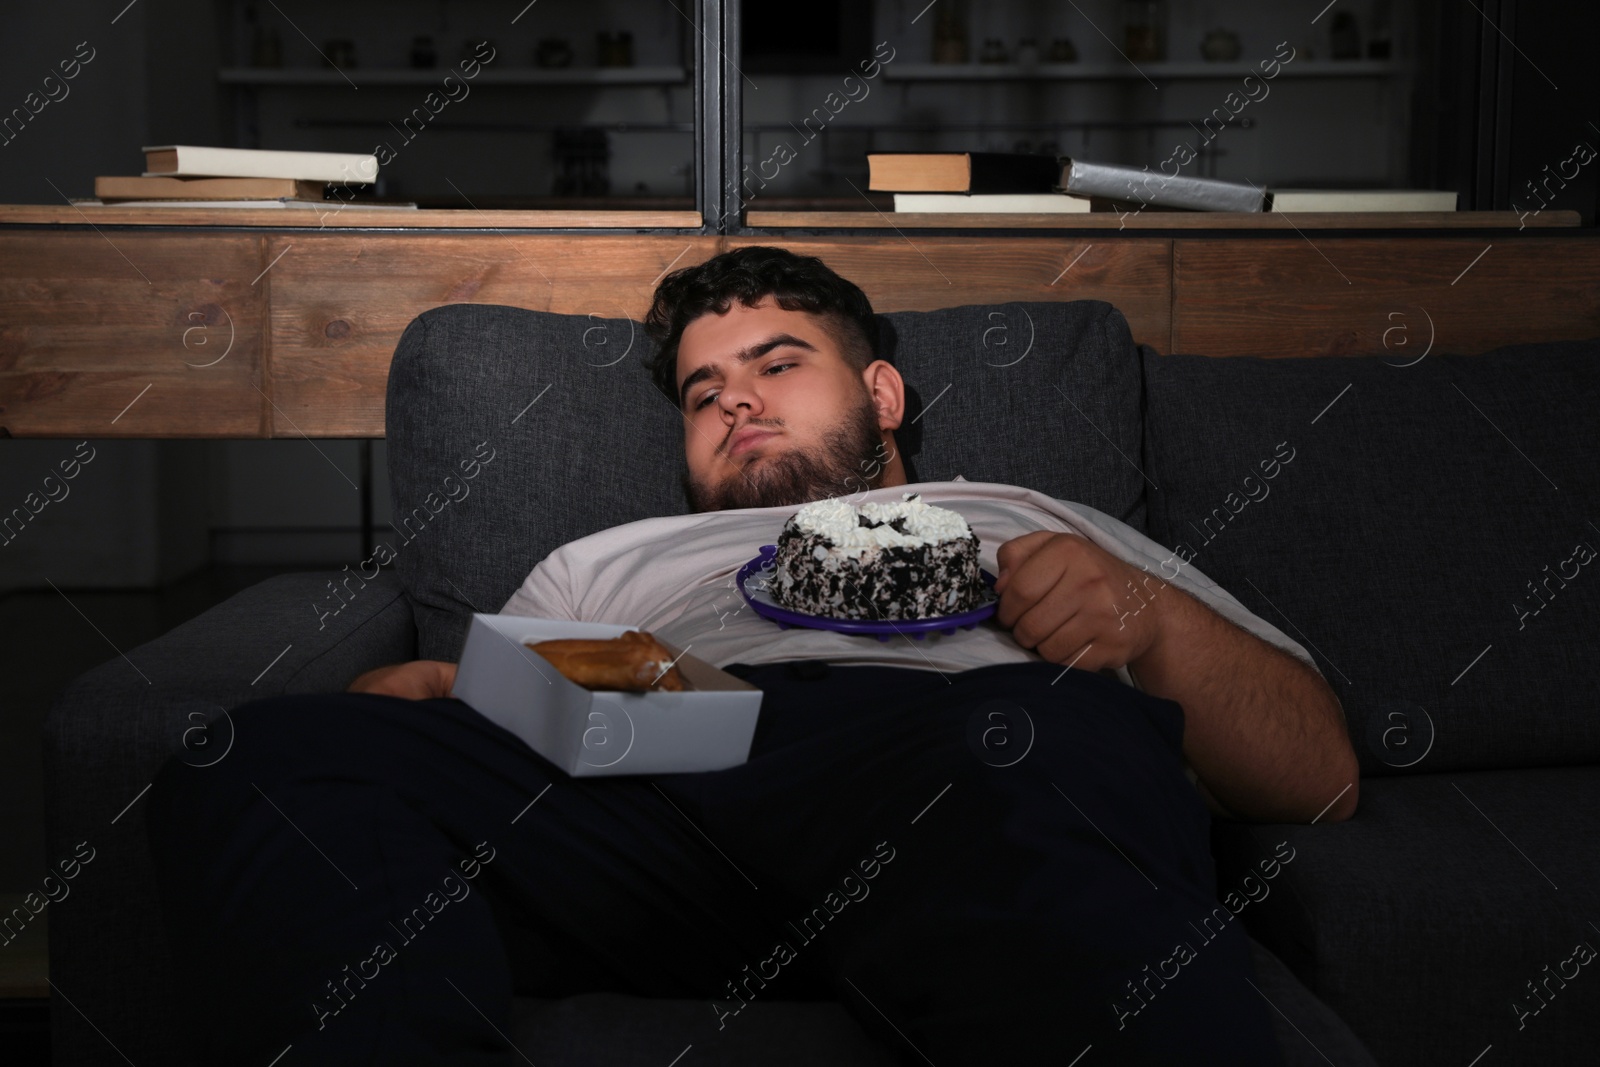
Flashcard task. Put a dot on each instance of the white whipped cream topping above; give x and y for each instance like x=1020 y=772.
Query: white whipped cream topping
x=839 y=522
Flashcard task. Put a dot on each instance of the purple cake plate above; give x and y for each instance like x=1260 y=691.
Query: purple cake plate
x=914 y=628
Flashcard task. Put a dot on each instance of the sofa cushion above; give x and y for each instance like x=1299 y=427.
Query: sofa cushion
x=561 y=436
x=624 y=1031
x=1410 y=524
x=1421 y=920
x=512 y=432
x=1042 y=395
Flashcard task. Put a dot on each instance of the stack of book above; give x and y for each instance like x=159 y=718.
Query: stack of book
x=1002 y=182
x=199 y=176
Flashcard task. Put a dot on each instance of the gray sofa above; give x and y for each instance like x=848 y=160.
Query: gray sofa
x=512 y=431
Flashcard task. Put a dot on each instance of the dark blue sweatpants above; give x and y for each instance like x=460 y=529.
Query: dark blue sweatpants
x=987 y=867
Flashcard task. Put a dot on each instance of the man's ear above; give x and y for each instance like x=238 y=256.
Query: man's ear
x=888 y=392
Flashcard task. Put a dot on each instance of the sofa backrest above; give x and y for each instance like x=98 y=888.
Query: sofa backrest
x=512 y=432
x=1425 y=529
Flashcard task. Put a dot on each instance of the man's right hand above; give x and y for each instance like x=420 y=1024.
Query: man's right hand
x=421 y=679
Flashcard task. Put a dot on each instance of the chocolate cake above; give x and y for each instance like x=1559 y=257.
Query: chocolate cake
x=904 y=559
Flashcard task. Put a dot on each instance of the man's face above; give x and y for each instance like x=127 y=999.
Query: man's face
x=773 y=414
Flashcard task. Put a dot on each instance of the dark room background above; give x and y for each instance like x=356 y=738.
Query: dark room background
x=595 y=104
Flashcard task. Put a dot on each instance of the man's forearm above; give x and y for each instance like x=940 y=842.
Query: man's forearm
x=1262 y=730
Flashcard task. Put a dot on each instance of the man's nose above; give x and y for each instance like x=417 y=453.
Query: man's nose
x=734 y=397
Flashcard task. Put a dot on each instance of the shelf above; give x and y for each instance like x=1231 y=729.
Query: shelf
x=1349 y=68
x=309 y=76
x=1288 y=222
x=349 y=218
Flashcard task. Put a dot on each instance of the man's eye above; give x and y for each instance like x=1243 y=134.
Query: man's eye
x=710 y=396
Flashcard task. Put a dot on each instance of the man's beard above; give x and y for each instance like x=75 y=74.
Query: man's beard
x=797 y=477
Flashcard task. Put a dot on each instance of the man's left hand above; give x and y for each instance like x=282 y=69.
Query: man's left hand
x=1076 y=604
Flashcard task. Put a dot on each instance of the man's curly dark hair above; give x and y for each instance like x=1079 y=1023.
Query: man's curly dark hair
x=795 y=282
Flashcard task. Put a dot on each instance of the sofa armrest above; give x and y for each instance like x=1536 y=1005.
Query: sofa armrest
x=111 y=730
x=229 y=654
x=1371 y=914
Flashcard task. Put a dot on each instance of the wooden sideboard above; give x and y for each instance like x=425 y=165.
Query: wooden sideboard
x=256 y=331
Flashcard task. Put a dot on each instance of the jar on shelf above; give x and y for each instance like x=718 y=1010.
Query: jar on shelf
x=266 y=48
x=1220 y=46
x=950 y=34
x=339 y=53
x=1380 y=43
x=614 y=50
x=552 y=52
x=1144 y=30
x=1062 y=50
x=1344 y=37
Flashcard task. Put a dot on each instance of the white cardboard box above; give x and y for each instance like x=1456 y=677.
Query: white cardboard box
x=707 y=727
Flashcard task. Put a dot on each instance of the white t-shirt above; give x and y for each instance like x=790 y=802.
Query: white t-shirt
x=674 y=577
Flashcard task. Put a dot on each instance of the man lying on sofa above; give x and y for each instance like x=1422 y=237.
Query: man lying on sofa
x=991 y=846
